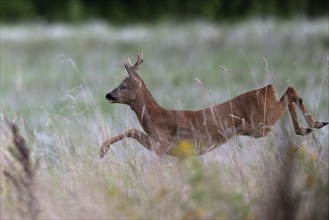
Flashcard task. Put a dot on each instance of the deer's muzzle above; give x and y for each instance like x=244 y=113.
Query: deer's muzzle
x=110 y=98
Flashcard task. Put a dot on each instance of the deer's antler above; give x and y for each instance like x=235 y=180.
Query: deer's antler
x=134 y=68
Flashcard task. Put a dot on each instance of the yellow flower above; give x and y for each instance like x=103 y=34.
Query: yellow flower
x=292 y=151
x=184 y=149
x=313 y=156
x=302 y=149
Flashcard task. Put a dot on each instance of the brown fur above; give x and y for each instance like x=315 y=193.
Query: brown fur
x=253 y=114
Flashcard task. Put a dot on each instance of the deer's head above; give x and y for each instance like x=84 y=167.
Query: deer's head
x=127 y=92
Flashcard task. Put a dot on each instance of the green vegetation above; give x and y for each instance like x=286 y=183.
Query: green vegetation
x=53 y=84
x=126 y=11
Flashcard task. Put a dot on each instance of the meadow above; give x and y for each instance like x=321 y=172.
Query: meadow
x=54 y=78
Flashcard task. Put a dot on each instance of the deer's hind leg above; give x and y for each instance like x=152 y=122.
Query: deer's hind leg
x=308 y=117
x=291 y=98
x=298 y=129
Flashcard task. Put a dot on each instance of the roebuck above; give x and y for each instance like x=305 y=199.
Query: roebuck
x=253 y=113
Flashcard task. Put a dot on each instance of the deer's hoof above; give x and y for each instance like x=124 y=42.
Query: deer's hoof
x=103 y=150
x=304 y=131
x=324 y=124
x=320 y=124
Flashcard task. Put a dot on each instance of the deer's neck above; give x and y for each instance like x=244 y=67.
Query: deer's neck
x=147 y=110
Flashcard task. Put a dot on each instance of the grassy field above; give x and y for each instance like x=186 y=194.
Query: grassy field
x=53 y=84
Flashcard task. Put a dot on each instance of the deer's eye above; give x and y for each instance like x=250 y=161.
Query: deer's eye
x=123 y=87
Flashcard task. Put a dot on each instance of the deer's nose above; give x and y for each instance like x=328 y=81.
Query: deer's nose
x=110 y=98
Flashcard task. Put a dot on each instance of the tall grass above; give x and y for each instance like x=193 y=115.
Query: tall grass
x=53 y=83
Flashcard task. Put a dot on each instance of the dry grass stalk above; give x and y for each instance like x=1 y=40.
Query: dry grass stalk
x=22 y=179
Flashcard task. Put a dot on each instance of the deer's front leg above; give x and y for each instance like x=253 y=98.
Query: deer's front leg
x=106 y=144
x=142 y=138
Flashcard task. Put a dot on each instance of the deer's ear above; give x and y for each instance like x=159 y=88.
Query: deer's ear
x=134 y=76
x=132 y=73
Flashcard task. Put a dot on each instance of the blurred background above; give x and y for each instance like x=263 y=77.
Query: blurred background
x=131 y=11
x=59 y=59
